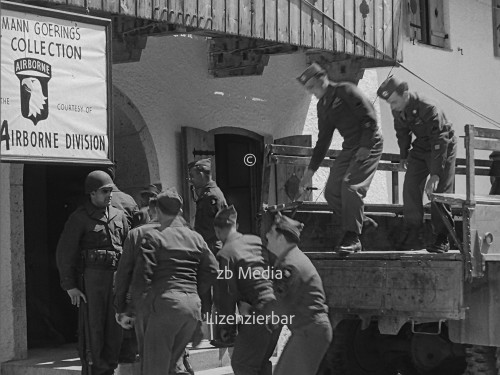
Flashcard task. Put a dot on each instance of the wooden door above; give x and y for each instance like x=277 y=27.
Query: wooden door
x=286 y=172
x=196 y=144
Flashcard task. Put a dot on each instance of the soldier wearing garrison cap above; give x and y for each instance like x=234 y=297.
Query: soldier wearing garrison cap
x=209 y=200
x=428 y=147
x=342 y=106
x=178 y=267
x=242 y=255
x=300 y=294
x=87 y=256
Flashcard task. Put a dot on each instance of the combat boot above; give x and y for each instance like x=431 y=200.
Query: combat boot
x=350 y=243
x=440 y=245
x=411 y=238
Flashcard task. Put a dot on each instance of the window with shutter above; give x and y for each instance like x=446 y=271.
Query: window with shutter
x=427 y=22
x=496 y=27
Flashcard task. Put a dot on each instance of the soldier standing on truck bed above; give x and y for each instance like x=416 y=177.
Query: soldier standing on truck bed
x=87 y=257
x=301 y=297
x=342 y=106
x=433 y=152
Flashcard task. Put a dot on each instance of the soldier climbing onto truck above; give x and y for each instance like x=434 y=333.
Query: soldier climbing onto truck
x=342 y=106
x=433 y=152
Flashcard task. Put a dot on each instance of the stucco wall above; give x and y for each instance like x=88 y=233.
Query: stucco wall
x=171 y=87
x=472 y=78
x=12 y=280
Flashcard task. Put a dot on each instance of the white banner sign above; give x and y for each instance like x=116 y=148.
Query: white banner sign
x=54 y=86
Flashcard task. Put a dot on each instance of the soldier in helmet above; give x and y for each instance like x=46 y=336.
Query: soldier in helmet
x=87 y=257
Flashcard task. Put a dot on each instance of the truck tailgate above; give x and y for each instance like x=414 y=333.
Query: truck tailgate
x=412 y=284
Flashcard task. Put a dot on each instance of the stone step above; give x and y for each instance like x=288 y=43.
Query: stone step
x=64 y=361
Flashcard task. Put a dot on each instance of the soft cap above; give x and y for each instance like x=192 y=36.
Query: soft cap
x=226 y=216
x=390 y=85
x=170 y=201
x=291 y=226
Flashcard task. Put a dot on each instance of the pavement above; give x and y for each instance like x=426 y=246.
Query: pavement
x=206 y=360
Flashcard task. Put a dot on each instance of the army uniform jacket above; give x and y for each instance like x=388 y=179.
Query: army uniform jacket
x=242 y=255
x=88 y=228
x=126 y=279
x=209 y=202
x=433 y=132
x=124 y=202
x=177 y=259
x=345 y=108
x=299 y=290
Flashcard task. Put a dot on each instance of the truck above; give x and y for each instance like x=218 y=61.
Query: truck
x=402 y=312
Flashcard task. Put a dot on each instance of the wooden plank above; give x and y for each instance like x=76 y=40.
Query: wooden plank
x=304 y=161
x=317 y=26
x=258 y=20
x=78 y=3
x=295 y=24
x=114 y=6
x=145 y=9
x=339 y=33
x=283 y=21
x=328 y=26
x=368 y=30
x=219 y=15
x=161 y=10
x=176 y=11
x=232 y=17
x=359 y=46
x=191 y=13
x=349 y=16
x=378 y=25
x=305 y=24
x=487 y=144
x=270 y=19
x=245 y=18
x=205 y=14
x=389 y=27
x=486 y=133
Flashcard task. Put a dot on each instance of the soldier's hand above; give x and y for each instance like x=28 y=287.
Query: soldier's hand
x=403 y=163
x=306 y=179
x=362 y=154
x=127 y=322
x=75 y=294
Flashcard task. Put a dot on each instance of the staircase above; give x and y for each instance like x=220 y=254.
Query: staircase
x=206 y=360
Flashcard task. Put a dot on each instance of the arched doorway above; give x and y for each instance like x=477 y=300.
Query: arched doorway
x=238 y=156
x=51 y=194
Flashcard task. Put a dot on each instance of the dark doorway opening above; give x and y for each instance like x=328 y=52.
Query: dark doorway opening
x=51 y=194
x=238 y=179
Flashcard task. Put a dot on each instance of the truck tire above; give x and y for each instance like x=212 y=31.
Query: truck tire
x=355 y=351
x=482 y=360
x=437 y=355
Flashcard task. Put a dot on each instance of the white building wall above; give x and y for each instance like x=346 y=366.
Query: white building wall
x=472 y=78
x=171 y=87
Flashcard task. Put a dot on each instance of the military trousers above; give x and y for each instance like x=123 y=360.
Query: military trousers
x=419 y=164
x=171 y=320
x=103 y=336
x=306 y=348
x=253 y=347
x=348 y=184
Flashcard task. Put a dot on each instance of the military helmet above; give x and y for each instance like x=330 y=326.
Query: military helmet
x=96 y=180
